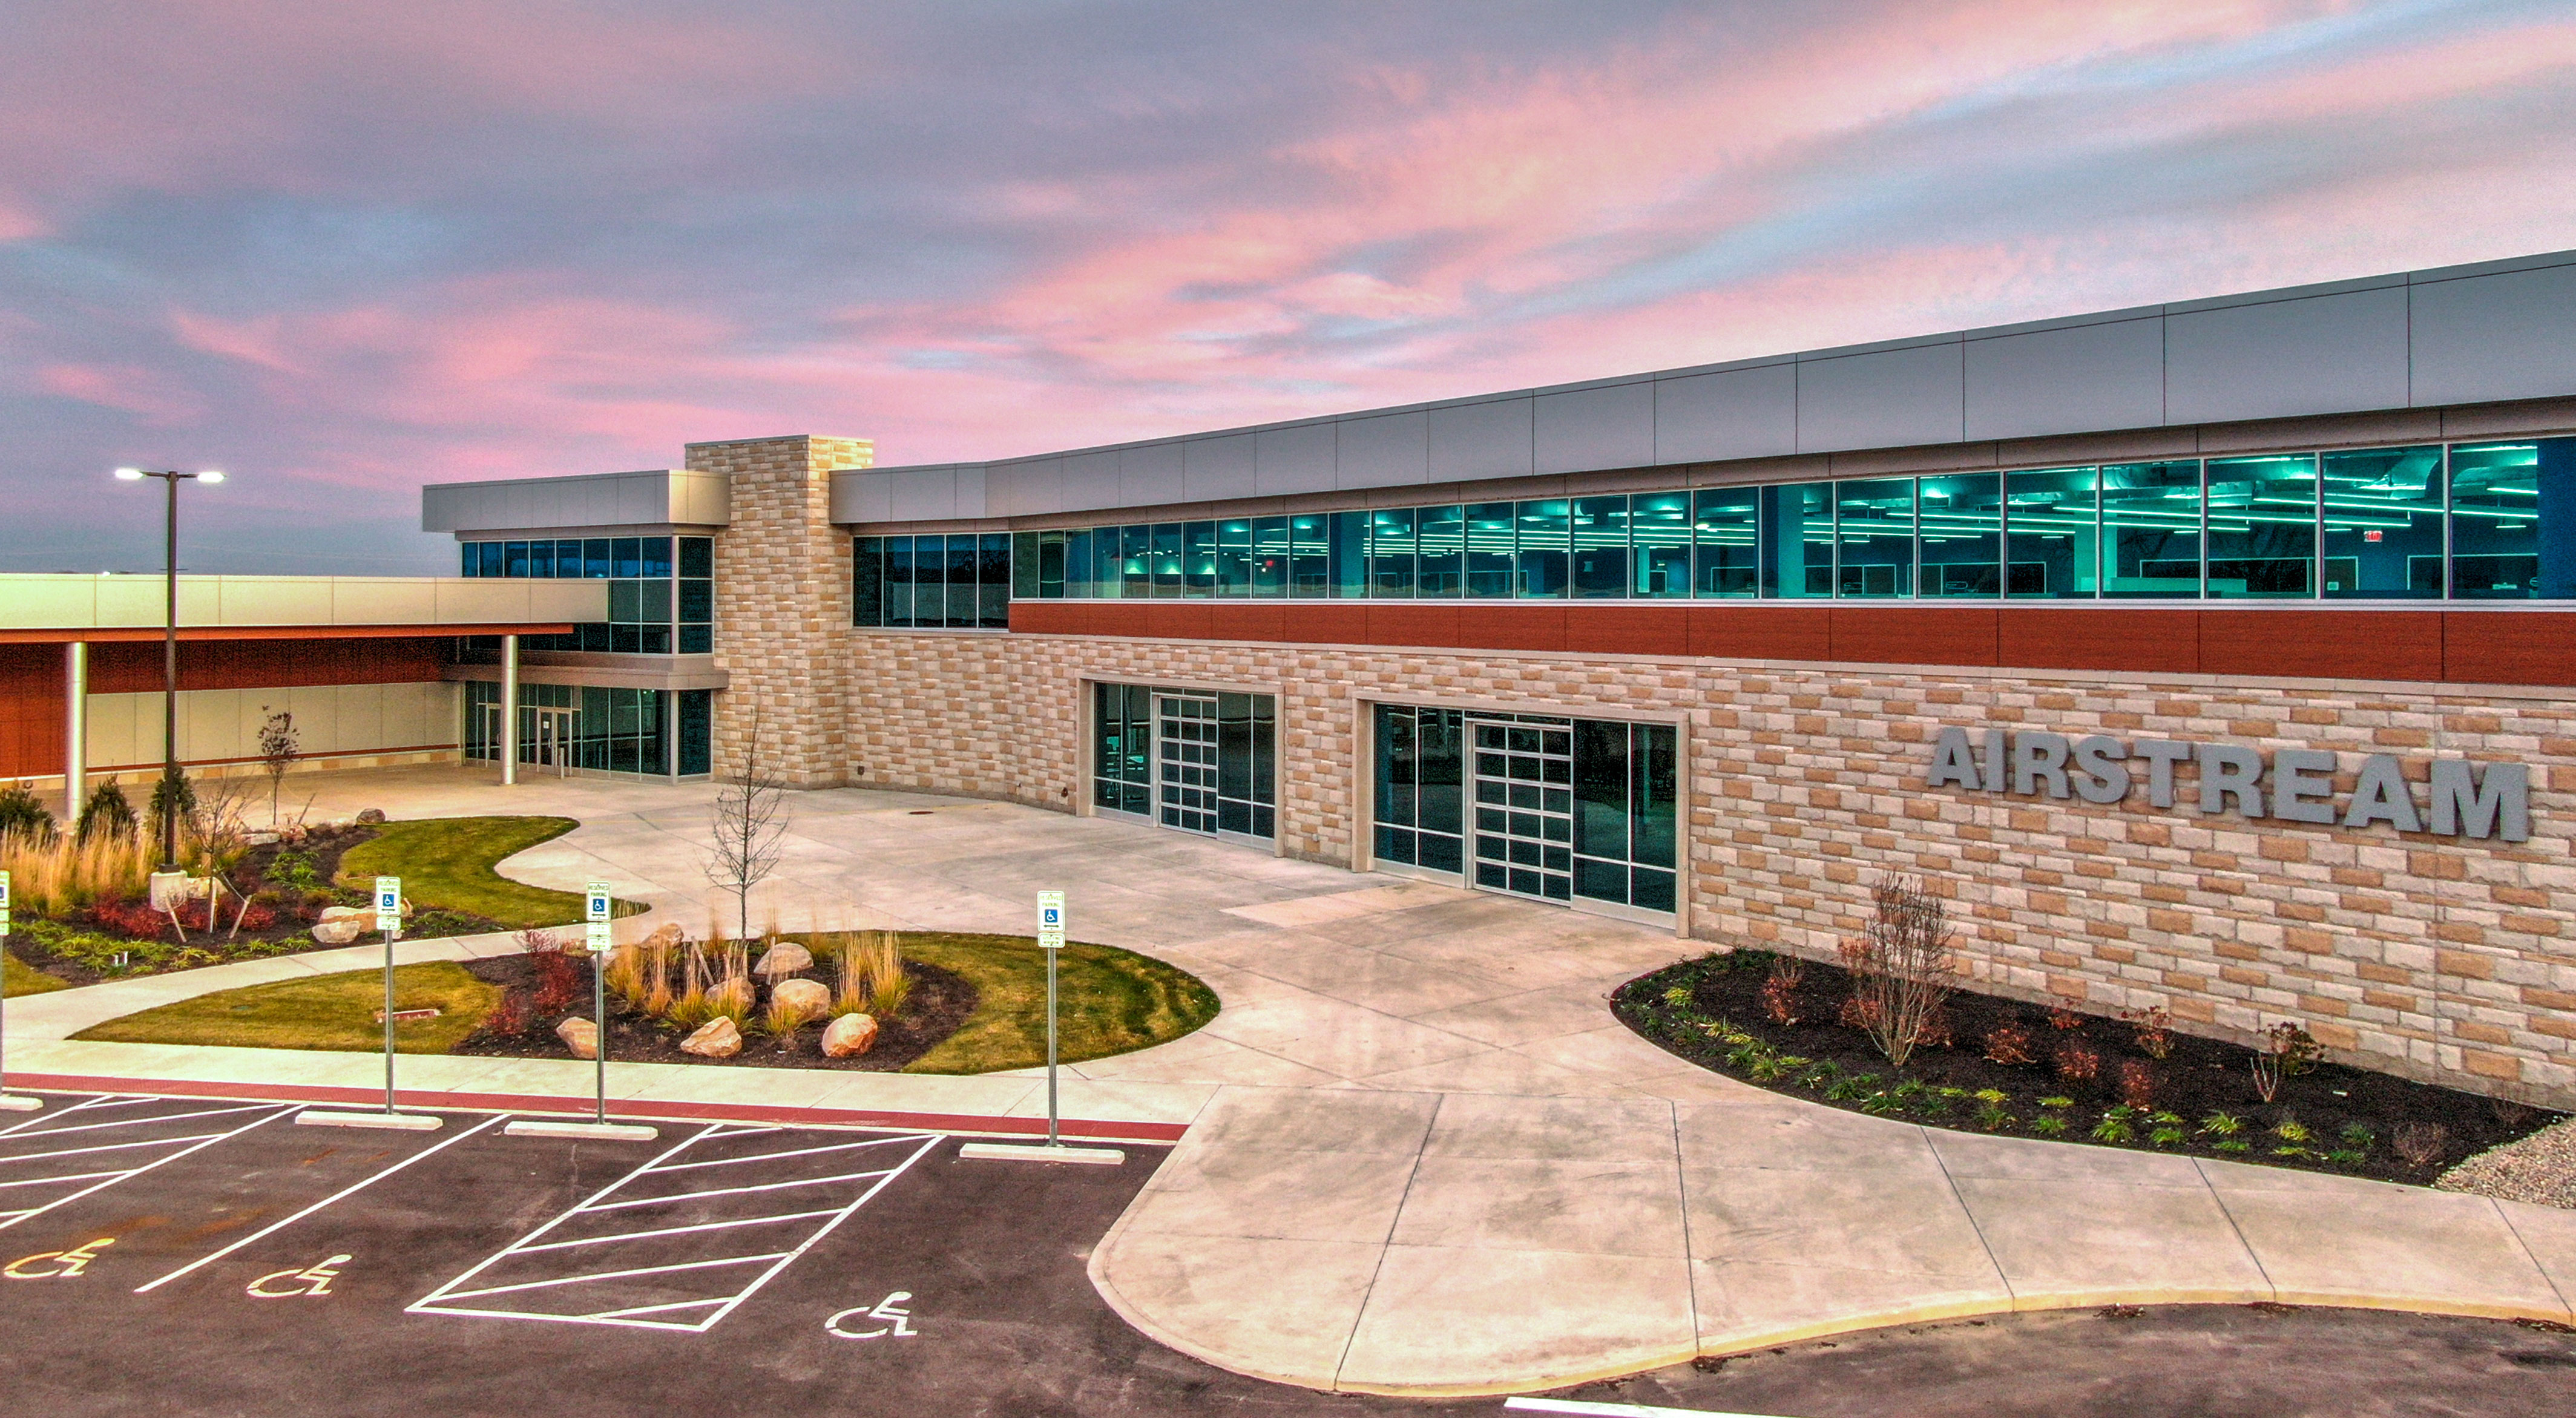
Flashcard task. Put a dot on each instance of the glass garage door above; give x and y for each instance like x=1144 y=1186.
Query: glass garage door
x=1186 y=759
x=1525 y=809
x=1185 y=735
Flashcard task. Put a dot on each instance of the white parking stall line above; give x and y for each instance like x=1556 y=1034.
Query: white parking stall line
x=453 y=1298
x=155 y=1118
x=108 y=1147
x=102 y=1101
x=317 y=1206
x=50 y=1181
x=197 y=1142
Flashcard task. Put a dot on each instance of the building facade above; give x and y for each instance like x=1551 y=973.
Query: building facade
x=2211 y=657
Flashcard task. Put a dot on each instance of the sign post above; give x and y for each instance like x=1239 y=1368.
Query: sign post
x=389 y=903
x=1051 y=926
x=8 y=1103
x=599 y=938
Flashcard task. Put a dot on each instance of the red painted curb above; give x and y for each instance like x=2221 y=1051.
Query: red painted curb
x=617 y=1108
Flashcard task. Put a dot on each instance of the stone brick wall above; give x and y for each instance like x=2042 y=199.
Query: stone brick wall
x=2439 y=958
x=782 y=590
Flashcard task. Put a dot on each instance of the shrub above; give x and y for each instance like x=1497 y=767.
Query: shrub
x=1852 y=1087
x=2167 y=1135
x=2063 y=1020
x=2138 y=1084
x=2421 y=1144
x=2116 y=1126
x=2154 y=1033
x=2009 y=1044
x=22 y=816
x=558 y=978
x=1901 y=966
x=2287 y=1051
x=106 y=814
x=133 y=918
x=1991 y=1114
x=1771 y=1068
x=2078 y=1063
x=292 y=870
x=2357 y=1136
x=1780 y=1001
x=2048 y=1125
x=1822 y=1075
x=511 y=1018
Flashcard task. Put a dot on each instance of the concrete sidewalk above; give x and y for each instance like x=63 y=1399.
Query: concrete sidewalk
x=1420 y=1156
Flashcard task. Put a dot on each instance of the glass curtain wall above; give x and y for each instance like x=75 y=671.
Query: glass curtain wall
x=596 y=729
x=964 y=580
x=656 y=604
x=1195 y=760
x=2468 y=522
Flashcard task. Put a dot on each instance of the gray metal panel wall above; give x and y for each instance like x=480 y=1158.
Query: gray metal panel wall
x=1884 y=399
x=924 y=494
x=1210 y=468
x=2281 y=359
x=2509 y=335
x=642 y=498
x=1298 y=458
x=1487 y=440
x=1097 y=479
x=1612 y=426
x=2072 y=379
x=1390 y=450
x=1732 y=413
x=1030 y=487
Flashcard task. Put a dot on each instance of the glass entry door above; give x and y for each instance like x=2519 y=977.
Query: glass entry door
x=552 y=743
x=1186 y=770
x=1524 y=779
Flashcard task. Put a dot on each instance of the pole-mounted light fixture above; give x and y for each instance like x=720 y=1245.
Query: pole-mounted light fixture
x=170 y=481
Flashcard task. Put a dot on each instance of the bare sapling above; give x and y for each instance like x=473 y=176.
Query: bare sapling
x=1902 y=967
x=278 y=750
x=750 y=824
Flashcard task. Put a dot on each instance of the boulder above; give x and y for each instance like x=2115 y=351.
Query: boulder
x=259 y=839
x=735 y=992
x=370 y=816
x=784 y=958
x=850 y=1036
x=715 y=1039
x=338 y=930
x=342 y=913
x=667 y=936
x=579 y=1035
x=807 y=995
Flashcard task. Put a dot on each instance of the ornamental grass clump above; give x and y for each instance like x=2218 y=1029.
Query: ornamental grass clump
x=871 y=978
x=1902 y=967
x=53 y=874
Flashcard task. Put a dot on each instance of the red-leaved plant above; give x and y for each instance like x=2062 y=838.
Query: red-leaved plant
x=2138 y=1085
x=2009 y=1044
x=2078 y=1063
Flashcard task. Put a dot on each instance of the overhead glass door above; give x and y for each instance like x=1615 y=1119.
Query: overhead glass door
x=1525 y=809
x=1185 y=735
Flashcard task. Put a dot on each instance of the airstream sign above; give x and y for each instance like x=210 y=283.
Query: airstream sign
x=2461 y=798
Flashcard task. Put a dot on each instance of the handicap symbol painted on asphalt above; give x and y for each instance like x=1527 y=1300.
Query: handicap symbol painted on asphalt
x=886 y=1309
x=55 y=1265
x=290 y=1284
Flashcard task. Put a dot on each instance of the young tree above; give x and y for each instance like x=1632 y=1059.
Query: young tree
x=1902 y=968
x=108 y=812
x=277 y=753
x=750 y=824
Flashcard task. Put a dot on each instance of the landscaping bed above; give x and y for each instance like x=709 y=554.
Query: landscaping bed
x=2086 y=1078
x=447 y=866
x=939 y=1003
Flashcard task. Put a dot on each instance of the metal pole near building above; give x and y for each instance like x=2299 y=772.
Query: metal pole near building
x=75 y=729
x=389 y=923
x=599 y=936
x=1051 y=928
x=9 y=1103
x=169 y=881
x=509 y=748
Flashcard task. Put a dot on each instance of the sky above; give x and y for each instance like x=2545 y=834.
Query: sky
x=339 y=249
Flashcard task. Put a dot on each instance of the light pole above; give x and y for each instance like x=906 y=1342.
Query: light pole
x=169 y=648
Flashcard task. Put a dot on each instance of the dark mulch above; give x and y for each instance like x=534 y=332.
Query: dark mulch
x=291 y=885
x=940 y=1002
x=2196 y=1079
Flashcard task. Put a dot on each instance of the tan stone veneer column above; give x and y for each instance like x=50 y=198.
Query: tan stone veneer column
x=783 y=603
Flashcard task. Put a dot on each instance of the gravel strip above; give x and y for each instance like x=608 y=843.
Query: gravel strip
x=2540 y=1168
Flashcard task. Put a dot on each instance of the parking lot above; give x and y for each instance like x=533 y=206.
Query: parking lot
x=189 y=1255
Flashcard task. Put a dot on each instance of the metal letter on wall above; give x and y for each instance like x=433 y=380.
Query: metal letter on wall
x=2302 y=780
x=1954 y=760
x=2100 y=776
x=2381 y=795
x=2468 y=804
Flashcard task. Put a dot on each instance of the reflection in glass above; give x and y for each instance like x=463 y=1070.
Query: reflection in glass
x=1234 y=557
x=1198 y=559
x=1659 y=525
x=2495 y=514
x=1963 y=535
x=2052 y=533
x=1348 y=536
x=1310 y=566
x=2263 y=526
x=1490 y=548
x=1544 y=547
x=1391 y=553
x=2383 y=524
x=1270 y=549
x=1724 y=557
x=2151 y=529
x=1875 y=522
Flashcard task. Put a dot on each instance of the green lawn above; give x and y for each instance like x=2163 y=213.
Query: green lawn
x=323 y=1012
x=1109 y=1001
x=447 y=863
x=26 y=979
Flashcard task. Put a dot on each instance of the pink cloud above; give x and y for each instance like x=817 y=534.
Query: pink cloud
x=133 y=388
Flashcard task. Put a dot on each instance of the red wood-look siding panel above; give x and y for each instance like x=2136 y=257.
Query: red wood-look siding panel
x=1628 y=630
x=2322 y=644
x=1248 y=620
x=2046 y=638
x=134 y=667
x=1737 y=632
x=1914 y=635
x=1414 y=623
x=1327 y=625
x=1049 y=617
x=1178 y=620
x=31 y=710
x=2492 y=648
x=1511 y=625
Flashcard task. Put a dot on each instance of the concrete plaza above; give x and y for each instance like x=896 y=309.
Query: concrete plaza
x=1420 y=1155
